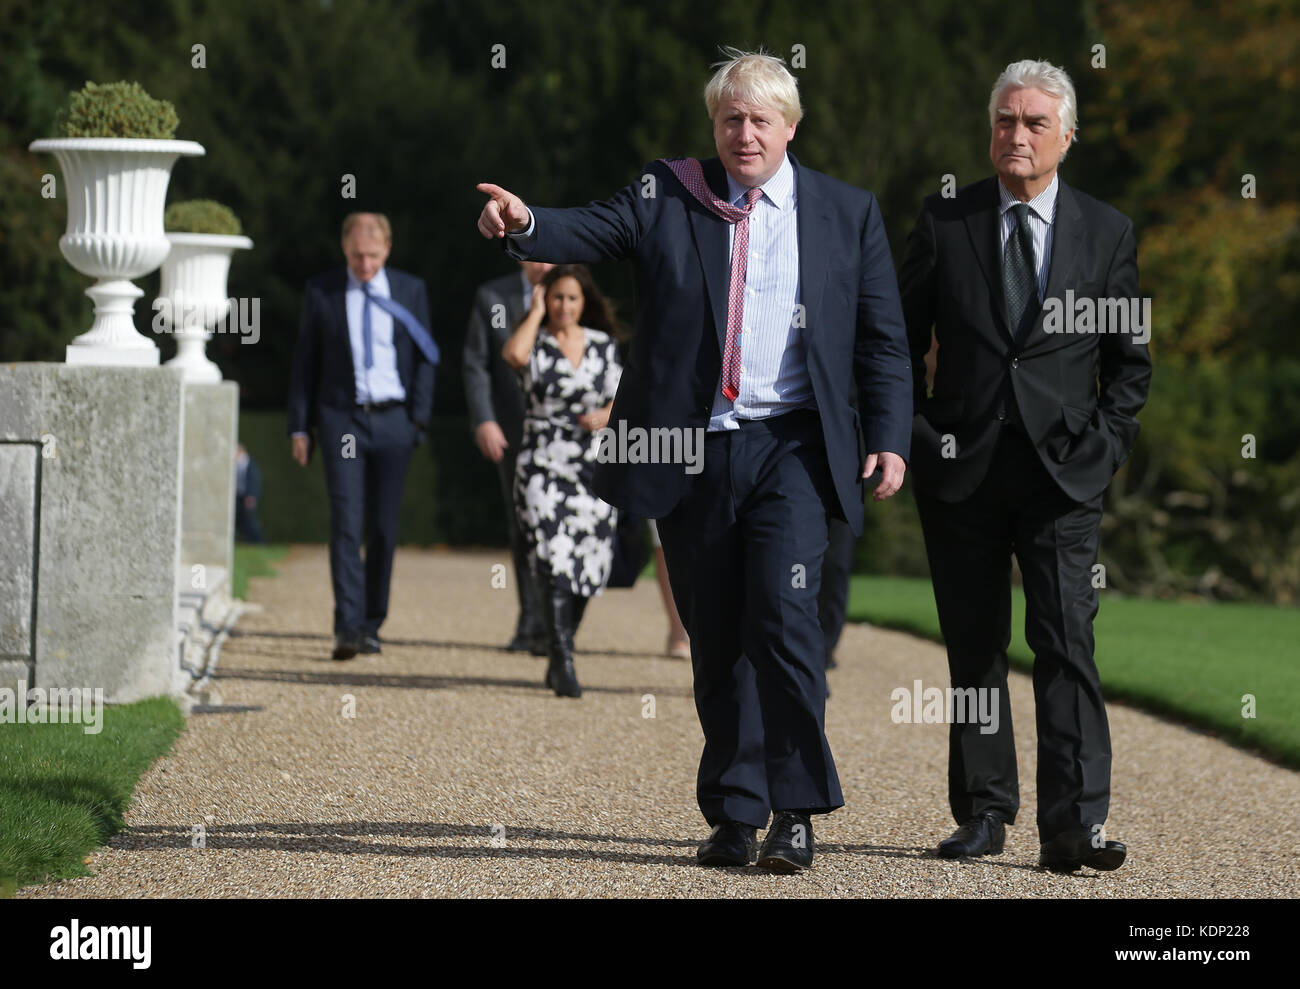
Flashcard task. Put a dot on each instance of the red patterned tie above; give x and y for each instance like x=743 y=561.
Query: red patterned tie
x=691 y=175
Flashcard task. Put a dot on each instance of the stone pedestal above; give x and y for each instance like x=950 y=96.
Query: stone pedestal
x=18 y=500
x=208 y=490
x=92 y=456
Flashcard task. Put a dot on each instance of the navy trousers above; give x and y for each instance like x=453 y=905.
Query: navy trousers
x=744 y=548
x=837 y=567
x=365 y=492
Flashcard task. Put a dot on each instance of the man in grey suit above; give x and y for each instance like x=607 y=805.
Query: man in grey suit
x=496 y=414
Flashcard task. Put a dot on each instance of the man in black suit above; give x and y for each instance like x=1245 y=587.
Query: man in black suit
x=496 y=414
x=362 y=380
x=1030 y=417
x=765 y=289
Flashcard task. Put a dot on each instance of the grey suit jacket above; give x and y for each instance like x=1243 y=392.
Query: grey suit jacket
x=492 y=390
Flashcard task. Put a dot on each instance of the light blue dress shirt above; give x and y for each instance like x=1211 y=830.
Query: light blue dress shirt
x=773 y=363
x=380 y=383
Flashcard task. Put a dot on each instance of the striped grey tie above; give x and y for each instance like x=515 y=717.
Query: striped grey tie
x=1020 y=275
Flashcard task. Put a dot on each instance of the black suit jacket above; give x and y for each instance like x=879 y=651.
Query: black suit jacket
x=492 y=390
x=853 y=330
x=1078 y=393
x=323 y=372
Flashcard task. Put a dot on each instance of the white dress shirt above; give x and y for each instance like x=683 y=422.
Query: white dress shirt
x=380 y=383
x=1042 y=223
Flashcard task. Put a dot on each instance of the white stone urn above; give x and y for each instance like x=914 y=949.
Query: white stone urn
x=193 y=297
x=115 y=189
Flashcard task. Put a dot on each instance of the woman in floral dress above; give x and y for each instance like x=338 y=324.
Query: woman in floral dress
x=567 y=357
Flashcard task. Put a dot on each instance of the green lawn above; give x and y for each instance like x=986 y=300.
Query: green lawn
x=1194 y=661
x=253 y=560
x=63 y=792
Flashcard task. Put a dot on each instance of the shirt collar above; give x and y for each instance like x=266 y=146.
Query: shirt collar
x=778 y=189
x=378 y=284
x=1043 y=205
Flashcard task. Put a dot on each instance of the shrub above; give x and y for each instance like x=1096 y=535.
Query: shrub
x=117 y=109
x=201 y=216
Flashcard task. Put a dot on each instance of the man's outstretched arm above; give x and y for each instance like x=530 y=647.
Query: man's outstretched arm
x=599 y=231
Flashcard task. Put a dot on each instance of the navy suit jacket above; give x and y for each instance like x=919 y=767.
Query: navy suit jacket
x=323 y=372
x=853 y=331
x=252 y=481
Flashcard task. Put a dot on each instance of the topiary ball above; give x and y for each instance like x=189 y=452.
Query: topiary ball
x=117 y=109
x=201 y=216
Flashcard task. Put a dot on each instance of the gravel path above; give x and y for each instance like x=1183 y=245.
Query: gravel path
x=460 y=775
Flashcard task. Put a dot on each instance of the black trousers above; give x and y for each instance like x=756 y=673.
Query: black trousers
x=1019 y=509
x=530 y=623
x=837 y=567
x=365 y=492
x=744 y=549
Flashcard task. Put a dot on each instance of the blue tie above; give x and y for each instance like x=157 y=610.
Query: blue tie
x=419 y=335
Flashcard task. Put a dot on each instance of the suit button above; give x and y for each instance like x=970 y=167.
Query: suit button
x=1015 y=363
x=1002 y=415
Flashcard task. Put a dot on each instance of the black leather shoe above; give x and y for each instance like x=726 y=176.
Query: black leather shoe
x=788 y=846
x=347 y=645
x=983 y=835
x=731 y=843
x=370 y=645
x=520 y=643
x=1072 y=850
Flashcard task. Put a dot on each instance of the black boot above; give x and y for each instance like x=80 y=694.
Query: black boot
x=559 y=610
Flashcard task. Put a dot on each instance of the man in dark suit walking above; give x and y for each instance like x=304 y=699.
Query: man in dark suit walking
x=362 y=381
x=765 y=289
x=1032 y=413
x=248 y=492
x=496 y=414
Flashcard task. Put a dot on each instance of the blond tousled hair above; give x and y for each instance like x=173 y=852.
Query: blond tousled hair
x=755 y=77
x=377 y=222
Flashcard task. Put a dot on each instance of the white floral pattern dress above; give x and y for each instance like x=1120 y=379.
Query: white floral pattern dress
x=568 y=530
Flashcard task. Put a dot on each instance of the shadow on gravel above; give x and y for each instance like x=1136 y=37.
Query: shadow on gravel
x=921 y=854
x=356 y=838
x=348 y=838
x=356 y=678
x=432 y=644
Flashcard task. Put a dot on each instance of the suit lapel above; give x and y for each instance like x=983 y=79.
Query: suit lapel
x=711 y=240
x=986 y=241
x=813 y=219
x=338 y=308
x=1067 y=238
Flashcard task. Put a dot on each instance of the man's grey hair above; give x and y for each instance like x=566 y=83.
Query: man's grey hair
x=1054 y=81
